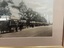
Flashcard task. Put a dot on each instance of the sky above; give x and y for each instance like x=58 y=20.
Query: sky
x=44 y=7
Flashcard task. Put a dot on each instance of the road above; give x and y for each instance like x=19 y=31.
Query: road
x=40 y=31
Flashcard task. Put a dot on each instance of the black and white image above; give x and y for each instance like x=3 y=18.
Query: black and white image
x=26 y=18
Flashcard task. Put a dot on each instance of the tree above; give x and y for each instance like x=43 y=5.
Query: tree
x=4 y=9
x=28 y=14
x=10 y=1
x=4 y=4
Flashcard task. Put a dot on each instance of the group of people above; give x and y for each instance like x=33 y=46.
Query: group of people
x=14 y=26
x=9 y=25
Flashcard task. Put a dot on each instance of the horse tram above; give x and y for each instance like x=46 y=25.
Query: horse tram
x=7 y=25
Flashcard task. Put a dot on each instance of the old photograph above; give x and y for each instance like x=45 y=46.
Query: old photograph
x=26 y=18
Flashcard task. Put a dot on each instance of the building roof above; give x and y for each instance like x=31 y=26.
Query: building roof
x=4 y=19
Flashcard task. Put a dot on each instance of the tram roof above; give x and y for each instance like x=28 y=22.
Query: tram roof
x=4 y=19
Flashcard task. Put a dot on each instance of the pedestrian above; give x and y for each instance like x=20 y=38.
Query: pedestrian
x=16 y=26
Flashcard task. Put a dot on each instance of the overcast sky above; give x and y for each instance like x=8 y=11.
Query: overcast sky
x=44 y=7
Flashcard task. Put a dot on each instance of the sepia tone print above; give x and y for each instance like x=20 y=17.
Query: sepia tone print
x=26 y=18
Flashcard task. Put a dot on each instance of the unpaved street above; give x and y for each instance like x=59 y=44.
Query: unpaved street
x=31 y=32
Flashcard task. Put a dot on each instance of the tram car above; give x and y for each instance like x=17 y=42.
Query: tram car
x=15 y=25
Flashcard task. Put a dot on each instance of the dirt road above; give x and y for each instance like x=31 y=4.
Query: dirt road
x=31 y=32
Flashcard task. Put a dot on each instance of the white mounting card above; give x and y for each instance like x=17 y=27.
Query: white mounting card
x=41 y=22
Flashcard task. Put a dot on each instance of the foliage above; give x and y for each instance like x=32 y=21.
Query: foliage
x=10 y=1
x=4 y=9
x=29 y=14
x=4 y=4
x=25 y=12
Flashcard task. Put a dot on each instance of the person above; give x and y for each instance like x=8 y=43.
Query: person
x=16 y=26
x=9 y=25
x=27 y=22
x=20 y=25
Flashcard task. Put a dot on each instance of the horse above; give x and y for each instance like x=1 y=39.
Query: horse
x=4 y=26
